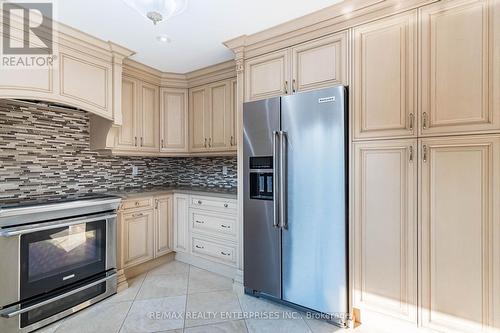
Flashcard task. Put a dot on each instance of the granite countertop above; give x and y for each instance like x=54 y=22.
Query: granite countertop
x=229 y=193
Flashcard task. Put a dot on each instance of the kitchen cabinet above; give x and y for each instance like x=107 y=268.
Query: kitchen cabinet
x=137 y=237
x=312 y=65
x=181 y=223
x=140 y=114
x=174 y=126
x=460 y=233
x=212 y=117
x=233 y=141
x=460 y=67
x=163 y=225
x=385 y=227
x=385 y=77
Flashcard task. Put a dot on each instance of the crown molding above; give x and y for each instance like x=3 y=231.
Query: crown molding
x=326 y=21
x=217 y=72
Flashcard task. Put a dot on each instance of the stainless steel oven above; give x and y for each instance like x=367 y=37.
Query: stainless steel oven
x=55 y=266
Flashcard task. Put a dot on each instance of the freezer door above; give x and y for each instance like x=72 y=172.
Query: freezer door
x=262 y=240
x=315 y=226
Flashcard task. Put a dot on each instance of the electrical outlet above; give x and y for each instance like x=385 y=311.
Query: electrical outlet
x=224 y=170
x=135 y=170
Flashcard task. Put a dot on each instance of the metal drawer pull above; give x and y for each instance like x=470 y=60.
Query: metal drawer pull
x=200 y=222
x=137 y=215
x=424 y=120
x=137 y=203
x=199 y=202
x=225 y=226
x=412 y=119
x=15 y=310
x=199 y=247
x=224 y=253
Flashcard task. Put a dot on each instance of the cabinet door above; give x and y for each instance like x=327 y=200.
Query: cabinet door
x=321 y=63
x=181 y=223
x=460 y=236
x=267 y=76
x=137 y=241
x=198 y=118
x=385 y=79
x=233 y=142
x=127 y=132
x=163 y=225
x=385 y=227
x=219 y=95
x=173 y=120
x=460 y=63
x=149 y=117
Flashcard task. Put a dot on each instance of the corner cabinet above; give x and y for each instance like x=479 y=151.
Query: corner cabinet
x=460 y=234
x=163 y=225
x=312 y=65
x=212 y=117
x=174 y=125
x=385 y=228
x=460 y=64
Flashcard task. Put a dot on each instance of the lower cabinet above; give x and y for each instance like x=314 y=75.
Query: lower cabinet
x=385 y=228
x=460 y=233
x=181 y=224
x=163 y=225
x=445 y=265
x=137 y=237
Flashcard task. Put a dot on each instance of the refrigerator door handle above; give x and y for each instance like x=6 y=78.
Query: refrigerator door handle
x=283 y=181
x=276 y=198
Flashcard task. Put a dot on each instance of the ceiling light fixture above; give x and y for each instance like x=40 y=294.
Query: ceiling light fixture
x=158 y=10
x=163 y=38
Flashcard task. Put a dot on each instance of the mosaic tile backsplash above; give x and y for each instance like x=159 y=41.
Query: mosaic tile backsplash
x=46 y=152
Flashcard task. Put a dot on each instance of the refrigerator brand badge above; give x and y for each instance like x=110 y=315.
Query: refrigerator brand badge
x=327 y=99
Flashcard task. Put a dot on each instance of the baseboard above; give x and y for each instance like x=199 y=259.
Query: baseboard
x=227 y=271
x=134 y=271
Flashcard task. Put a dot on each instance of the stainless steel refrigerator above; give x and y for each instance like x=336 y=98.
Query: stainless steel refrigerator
x=295 y=200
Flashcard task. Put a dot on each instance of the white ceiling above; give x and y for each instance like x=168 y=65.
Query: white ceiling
x=197 y=34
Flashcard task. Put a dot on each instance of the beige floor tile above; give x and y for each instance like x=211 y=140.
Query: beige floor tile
x=204 y=281
x=155 y=315
x=159 y=286
x=321 y=326
x=130 y=293
x=50 y=328
x=264 y=306
x=102 y=317
x=236 y=326
x=212 y=307
x=277 y=326
x=173 y=267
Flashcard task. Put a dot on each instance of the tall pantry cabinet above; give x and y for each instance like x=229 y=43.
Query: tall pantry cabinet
x=426 y=194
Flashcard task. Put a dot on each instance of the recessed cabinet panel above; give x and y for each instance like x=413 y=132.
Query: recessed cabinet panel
x=149 y=118
x=137 y=237
x=385 y=78
x=198 y=117
x=267 y=76
x=460 y=67
x=163 y=225
x=126 y=138
x=320 y=63
x=220 y=115
x=385 y=228
x=234 y=112
x=174 y=120
x=460 y=262
x=181 y=223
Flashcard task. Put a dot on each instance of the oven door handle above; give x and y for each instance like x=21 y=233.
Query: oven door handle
x=16 y=310
x=10 y=232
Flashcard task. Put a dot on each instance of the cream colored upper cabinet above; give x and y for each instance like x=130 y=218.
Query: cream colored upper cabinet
x=163 y=225
x=149 y=117
x=460 y=251
x=385 y=80
x=460 y=62
x=233 y=142
x=174 y=120
x=385 y=228
x=198 y=118
x=127 y=132
x=220 y=119
x=320 y=63
x=267 y=76
x=138 y=241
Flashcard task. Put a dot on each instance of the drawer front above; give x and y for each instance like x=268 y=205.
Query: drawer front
x=213 y=250
x=137 y=203
x=223 y=225
x=214 y=203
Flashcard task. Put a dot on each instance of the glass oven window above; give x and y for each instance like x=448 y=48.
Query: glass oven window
x=54 y=258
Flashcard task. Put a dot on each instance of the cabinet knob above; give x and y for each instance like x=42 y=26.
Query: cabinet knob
x=286 y=87
x=137 y=203
x=199 y=202
x=226 y=205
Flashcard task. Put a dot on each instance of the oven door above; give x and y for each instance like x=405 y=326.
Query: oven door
x=54 y=254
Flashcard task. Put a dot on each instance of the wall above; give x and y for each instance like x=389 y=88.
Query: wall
x=46 y=152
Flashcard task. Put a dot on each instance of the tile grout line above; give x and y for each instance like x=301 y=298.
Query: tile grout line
x=132 y=303
x=242 y=311
x=187 y=295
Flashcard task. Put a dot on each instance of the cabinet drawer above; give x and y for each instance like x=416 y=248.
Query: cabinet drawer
x=138 y=203
x=213 y=250
x=213 y=203
x=223 y=225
